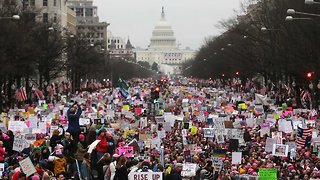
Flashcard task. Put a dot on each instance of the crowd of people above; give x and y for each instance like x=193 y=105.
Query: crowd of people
x=195 y=129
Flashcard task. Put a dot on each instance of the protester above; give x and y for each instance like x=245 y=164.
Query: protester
x=200 y=129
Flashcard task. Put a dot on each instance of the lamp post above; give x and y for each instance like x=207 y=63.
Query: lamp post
x=293 y=12
x=311 y=2
x=14 y=17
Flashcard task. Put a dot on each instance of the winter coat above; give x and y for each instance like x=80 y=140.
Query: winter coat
x=81 y=151
x=102 y=145
x=74 y=126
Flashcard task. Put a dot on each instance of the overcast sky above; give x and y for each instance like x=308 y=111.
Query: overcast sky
x=191 y=20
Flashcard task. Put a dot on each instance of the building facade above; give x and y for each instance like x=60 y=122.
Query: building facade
x=164 y=50
x=88 y=25
x=118 y=49
x=48 y=11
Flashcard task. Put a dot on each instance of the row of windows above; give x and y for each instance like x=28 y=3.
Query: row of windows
x=120 y=52
x=92 y=35
x=80 y=12
x=45 y=18
x=117 y=46
x=44 y=2
x=114 y=40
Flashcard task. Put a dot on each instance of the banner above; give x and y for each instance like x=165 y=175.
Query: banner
x=145 y=176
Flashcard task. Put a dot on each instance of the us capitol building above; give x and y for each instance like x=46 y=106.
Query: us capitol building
x=164 y=50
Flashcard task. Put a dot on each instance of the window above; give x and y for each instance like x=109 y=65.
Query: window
x=45 y=2
x=45 y=17
x=79 y=12
x=89 y=12
x=32 y=2
x=54 y=2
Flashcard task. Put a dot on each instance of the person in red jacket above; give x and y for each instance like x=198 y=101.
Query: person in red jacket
x=102 y=146
x=3 y=153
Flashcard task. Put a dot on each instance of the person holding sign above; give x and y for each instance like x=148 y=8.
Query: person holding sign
x=73 y=114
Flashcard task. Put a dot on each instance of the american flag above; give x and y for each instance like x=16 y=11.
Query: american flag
x=21 y=94
x=304 y=135
x=38 y=93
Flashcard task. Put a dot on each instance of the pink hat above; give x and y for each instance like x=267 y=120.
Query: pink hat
x=291 y=167
x=35 y=177
x=81 y=137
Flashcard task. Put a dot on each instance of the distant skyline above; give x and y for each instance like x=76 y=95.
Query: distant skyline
x=191 y=20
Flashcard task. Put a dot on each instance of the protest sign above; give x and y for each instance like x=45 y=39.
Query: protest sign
x=292 y=145
x=84 y=121
x=27 y=166
x=217 y=163
x=208 y=132
x=93 y=146
x=236 y=157
x=1 y=168
x=19 y=142
x=145 y=176
x=16 y=126
x=220 y=137
x=269 y=144
x=280 y=150
x=127 y=151
x=30 y=137
x=277 y=136
x=267 y=173
x=189 y=170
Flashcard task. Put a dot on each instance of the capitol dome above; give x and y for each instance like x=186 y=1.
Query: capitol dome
x=162 y=35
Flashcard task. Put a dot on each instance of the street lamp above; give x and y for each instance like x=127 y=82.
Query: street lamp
x=311 y=2
x=293 y=12
x=15 y=17
x=264 y=29
x=290 y=18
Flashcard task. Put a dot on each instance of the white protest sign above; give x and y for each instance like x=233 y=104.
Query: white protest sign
x=236 y=157
x=189 y=170
x=269 y=144
x=1 y=168
x=17 y=126
x=33 y=122
x=27 y=166
x=208 y=132
x=219 y=136
x=93 y=145
x=284 y=126
x=280 y=150
x=155 y=143
x=145 y=176
x=84 y=121
x=19 y=142
x=217 y=162
x=277 y=136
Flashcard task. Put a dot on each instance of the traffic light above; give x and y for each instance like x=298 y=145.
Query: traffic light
x=309 y=75
x=155 y=94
